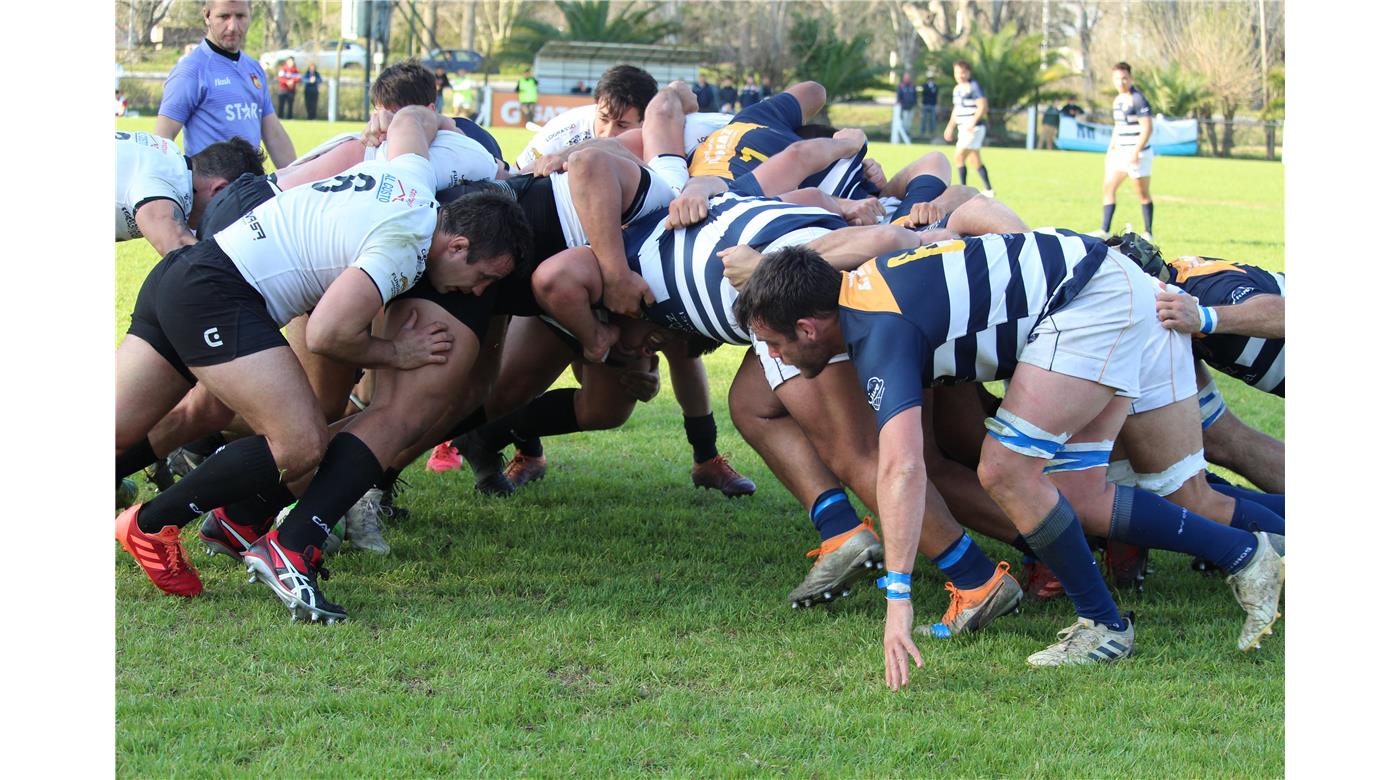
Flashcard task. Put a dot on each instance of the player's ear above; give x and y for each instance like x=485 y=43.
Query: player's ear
x=217 y=185
x=459 y=244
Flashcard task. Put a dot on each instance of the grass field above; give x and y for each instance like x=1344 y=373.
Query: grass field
x=612 y=620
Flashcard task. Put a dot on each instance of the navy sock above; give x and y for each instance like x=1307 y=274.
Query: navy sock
x=243 y=468
x=962 y=174
x=922 y=189
x=348 y=470
x=966 y=566
x=1270 y=501
x=471 y=422
x=1020 y=543
x=703 y=437
x=1108 y=216
x=1148 y=520
x=1059 y=543
x=832 y=514
x=1254 y=516
x=136 y=457
x=982 y=171
x=551 y=414
x=1147 y=216
x=206 y=445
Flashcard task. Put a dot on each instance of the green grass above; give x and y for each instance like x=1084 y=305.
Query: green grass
x=612 y=620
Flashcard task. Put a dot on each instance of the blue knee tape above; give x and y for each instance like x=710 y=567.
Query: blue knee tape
x=1024 y=437
x=1080 y=456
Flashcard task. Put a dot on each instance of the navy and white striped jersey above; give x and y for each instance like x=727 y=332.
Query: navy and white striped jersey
x=1127 y=111
x=956 y=311
x=1252 y=360
x=687 y=277
x=965 y=97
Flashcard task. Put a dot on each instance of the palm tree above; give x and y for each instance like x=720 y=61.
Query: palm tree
x=1174 y=91
x=1007 y=66
x=841 y=65
x=586 y=20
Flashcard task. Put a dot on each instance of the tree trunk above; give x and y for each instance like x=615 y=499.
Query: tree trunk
x=468 y=25
x=1205 y=122
x=1269 y=138
x=279 y=23
x=1227 y=140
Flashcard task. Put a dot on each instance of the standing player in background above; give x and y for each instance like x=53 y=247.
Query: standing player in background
x=217 y=92
x=970 y=118
x=1129 y=151
x=528 y=90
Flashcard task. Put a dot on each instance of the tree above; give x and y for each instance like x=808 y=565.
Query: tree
x=142 y=15
x=1007 y=66
x=586 y=20
x=939 y=22
x=842 y=65
x=1173 y=91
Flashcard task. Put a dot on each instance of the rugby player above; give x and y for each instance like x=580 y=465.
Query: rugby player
x=1235 y=316
x=1066 y=318
x=211 y=313
x=969 y=117
x=815 y=434
x=1129 y=151
x=161 y=192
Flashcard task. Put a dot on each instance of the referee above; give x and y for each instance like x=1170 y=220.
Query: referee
x=1129 y=151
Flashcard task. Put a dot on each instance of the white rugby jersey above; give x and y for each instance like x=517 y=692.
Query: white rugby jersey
x=455 y=158
x=576 y=126
x=965 y=97
x=683 y=269
x=148 y=168
x=378 y=216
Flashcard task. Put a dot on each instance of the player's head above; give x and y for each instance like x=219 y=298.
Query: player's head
x=962 y=71
x=404 y=84
x=226 y=22
x=791 y=303
x=216 y=166
x=1144 y=253
x=622 y=94
x=1123 y=76
x=480 y=239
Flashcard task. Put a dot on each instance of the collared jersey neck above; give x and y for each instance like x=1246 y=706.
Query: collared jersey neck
x=233 y=55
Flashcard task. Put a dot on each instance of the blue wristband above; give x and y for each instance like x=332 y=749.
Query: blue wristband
x=896 y=585
x=1208 y=318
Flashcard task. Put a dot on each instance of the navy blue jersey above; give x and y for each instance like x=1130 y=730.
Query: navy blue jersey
x=956 y=311
x=1252 y=360
x=684 y=271
x=1128 y=111
x=478 y=133
x=763 y=130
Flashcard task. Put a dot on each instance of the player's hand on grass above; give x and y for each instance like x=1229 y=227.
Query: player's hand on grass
x=1179 y=312
x=866 y=211
x=421 y=345
x=739 y=264
x=627 y=294
x=377 y=127
x=899 y=643
x=874 y=173
x=687 y=209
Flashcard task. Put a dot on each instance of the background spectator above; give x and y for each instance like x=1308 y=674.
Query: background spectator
x=442 y=85
x=287 y=78
x=217 y=92
x=311 y=89
x=928 y=118
x=580 y=89
x=706 y=95
x=749 y=94
x=528 y=90
x=767 y=90
x=1049 y=128
x=728 y=96
x=907 y=97
x=121 y=103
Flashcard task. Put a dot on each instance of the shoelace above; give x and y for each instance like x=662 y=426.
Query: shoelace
x=315 y=567
x=175 y=557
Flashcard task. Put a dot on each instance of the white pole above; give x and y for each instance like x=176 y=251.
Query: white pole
x=1031 y=127
x=332 y=109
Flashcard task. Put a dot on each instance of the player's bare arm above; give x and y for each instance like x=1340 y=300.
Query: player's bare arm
x=339 y=328
x=167 y=127
x=162 y=222
x=901 y=494
x=278 y=143
x=1261 y=316
x=693 y=204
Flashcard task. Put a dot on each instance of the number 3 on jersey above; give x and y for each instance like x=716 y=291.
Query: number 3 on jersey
x=361 y=182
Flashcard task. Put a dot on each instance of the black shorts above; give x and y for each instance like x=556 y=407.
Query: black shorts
x=241 y=196
x=471 y=310
x=196 y=309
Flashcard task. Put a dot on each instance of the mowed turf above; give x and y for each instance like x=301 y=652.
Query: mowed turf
x=613 y=620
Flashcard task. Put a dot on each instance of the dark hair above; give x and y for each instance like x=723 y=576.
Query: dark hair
x=228 y=160
x=403 y=84
x=963 y=64
x=622 y=87
x=493 y=223
x=788 y=285
x=1125 y=67
x=699 y=346
x=815 y=131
